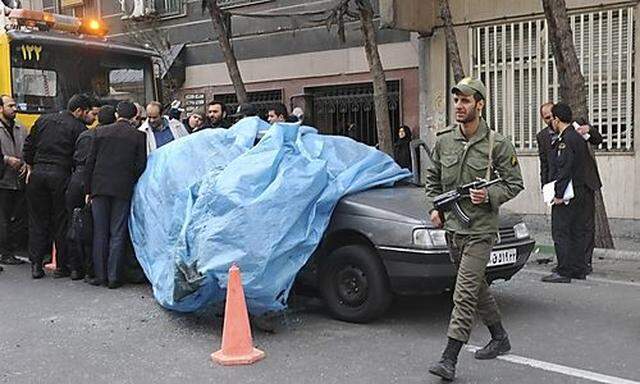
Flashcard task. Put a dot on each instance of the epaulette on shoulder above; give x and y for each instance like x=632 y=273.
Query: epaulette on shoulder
x=443 y=131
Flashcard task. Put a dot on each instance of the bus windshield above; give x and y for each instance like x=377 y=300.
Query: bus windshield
x=45 y=76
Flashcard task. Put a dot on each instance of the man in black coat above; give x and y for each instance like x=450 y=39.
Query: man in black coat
x=593 y=183
x=568 y=217
x=48 y=152
x=116 y=161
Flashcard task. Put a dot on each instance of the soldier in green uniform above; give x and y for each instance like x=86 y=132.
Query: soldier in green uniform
x=463 y=153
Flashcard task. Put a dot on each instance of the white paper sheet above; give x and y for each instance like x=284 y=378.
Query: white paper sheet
x=549 y=192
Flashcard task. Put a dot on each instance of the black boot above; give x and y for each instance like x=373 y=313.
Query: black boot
x=36 y=271
x=498 y=345
x=446 y=367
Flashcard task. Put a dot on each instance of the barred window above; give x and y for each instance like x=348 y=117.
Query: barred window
x=168 y=7
x=263 y=100
x=515 y=62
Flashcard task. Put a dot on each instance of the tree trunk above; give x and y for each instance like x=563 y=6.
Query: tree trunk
x=380 y=94
x=220 y=27
x=453 y=53
x=573 y=91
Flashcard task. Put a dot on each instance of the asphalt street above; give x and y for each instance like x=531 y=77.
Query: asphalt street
x=59 y=331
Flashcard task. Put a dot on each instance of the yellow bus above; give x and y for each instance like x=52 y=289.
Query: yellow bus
x=46 y=58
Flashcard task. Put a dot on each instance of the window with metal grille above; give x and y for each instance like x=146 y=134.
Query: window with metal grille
x=515 y=62
x=168 y=7
x=349 y=110
x=263 y=100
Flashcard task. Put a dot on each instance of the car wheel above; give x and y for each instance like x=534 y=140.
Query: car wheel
x=354 y=284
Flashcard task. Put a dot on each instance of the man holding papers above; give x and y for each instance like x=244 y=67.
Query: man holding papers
x=568 y=214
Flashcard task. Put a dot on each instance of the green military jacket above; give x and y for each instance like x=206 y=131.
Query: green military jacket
x=457 y=161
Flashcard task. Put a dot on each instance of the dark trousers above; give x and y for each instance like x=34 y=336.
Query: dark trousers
x=590 y=222
x=78 y=252
x=13 y=213
x=47 y=213
x=569 y=233
x=110 y=234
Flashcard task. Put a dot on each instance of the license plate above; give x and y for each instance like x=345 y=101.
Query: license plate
x=502 y=257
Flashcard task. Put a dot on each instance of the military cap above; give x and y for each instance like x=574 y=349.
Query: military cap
x=468 y=86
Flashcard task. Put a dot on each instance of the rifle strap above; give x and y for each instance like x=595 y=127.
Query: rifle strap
x=492 y=139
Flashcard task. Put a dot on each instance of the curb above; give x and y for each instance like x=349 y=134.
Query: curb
x=601 y=253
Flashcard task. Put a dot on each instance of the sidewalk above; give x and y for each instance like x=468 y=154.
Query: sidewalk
x=626 y=238
x=621 y=263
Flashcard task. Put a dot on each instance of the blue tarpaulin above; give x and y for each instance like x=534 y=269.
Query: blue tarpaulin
x=213 y=199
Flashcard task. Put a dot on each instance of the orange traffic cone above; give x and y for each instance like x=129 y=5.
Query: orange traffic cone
x=53 y=265
x=237 y=344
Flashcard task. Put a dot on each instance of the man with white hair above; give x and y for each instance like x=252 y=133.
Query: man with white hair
x=159 y=129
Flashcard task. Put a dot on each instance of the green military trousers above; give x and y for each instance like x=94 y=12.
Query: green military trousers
x=470 y=254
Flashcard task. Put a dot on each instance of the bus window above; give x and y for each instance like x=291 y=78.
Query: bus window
x=127 y=84
x=45 y=76
x=37 y=85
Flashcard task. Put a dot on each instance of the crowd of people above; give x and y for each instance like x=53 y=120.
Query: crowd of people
x=69 y=180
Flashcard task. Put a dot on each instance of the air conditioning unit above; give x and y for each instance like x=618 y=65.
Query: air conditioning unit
x=137 y=9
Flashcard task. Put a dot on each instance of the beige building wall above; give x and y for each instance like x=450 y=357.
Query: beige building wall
x=620 y=172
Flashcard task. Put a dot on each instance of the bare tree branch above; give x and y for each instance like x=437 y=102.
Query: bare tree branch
x=380 y=92
x=453 y=53
x=222 y=25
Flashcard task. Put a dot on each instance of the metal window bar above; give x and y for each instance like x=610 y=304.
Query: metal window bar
x=263 y=100
x=516 y=63
x=349 y=110
x=168 y=7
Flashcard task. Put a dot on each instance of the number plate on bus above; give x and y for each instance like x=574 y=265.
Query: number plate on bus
x=502 y=257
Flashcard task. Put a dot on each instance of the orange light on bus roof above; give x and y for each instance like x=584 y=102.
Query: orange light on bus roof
x=93 y=27
x=39 y=19
x=26 y=17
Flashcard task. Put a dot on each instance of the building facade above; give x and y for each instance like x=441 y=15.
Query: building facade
x=280 y=57
x=504 y=42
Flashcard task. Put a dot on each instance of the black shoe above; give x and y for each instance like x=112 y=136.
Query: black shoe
x=579 y=276
x=60 y=273
x=495 y=348
x=36 y=271
x=556 y=278
x=10 y=260
x=95 y=281
x=76 y=275
x=445 y=368
x=114 y=284
x=1 y=269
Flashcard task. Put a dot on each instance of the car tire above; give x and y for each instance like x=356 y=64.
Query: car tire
x=354 y=284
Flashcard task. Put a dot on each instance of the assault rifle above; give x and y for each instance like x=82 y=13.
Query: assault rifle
x=449 y=201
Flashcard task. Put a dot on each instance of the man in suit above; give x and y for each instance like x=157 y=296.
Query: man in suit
x=116 y=161
x=568 y=217
x=545 y=137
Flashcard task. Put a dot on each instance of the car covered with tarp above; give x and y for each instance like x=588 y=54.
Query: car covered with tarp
x=221 y=197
